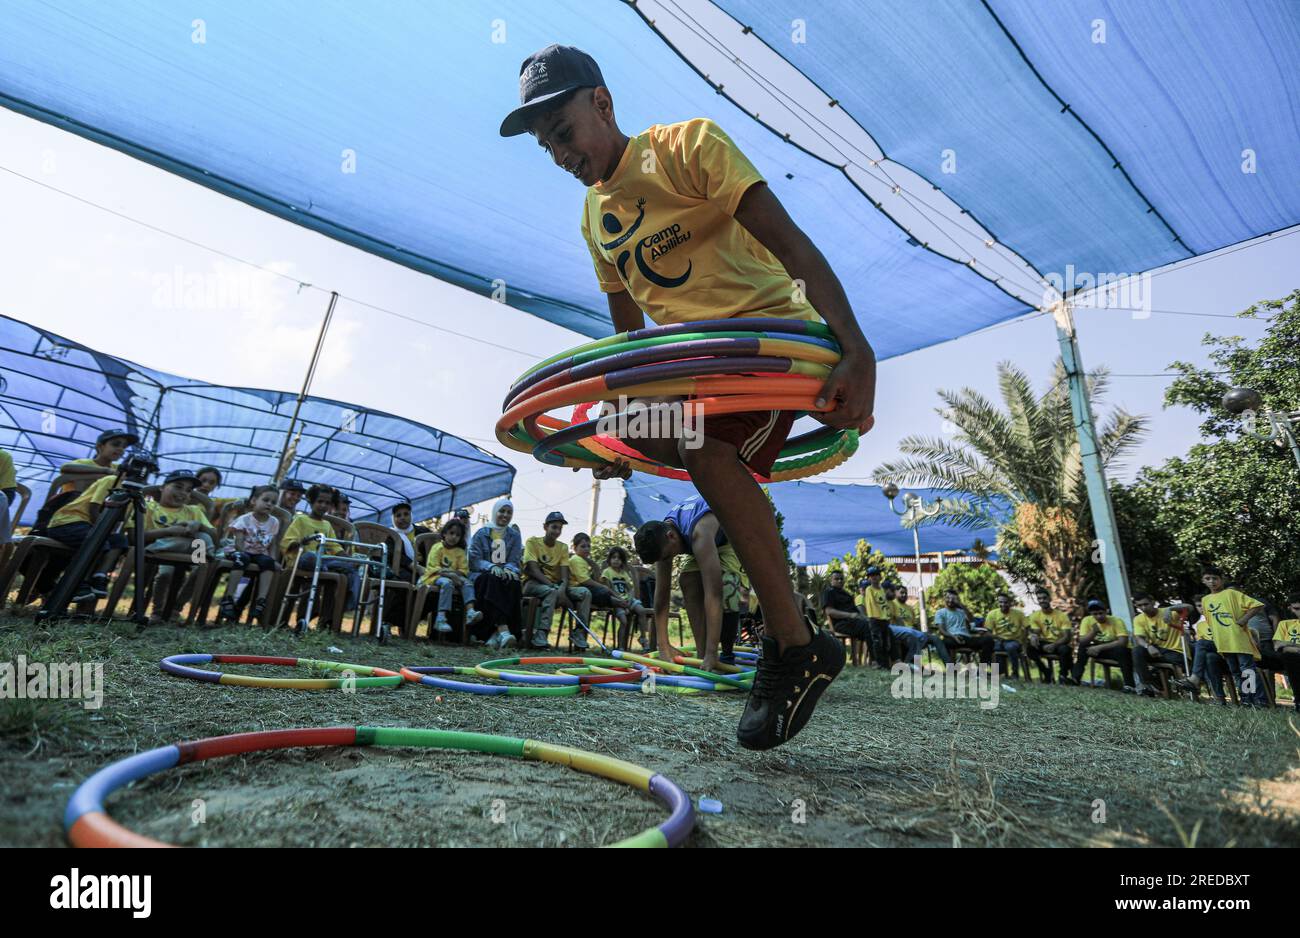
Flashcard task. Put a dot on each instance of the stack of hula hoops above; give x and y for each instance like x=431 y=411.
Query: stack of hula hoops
x=721 y=366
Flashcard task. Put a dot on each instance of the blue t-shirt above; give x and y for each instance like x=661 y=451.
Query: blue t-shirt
x=686 y=516
x=952 y=621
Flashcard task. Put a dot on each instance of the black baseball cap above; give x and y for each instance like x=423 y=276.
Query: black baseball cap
x=180 y=475
x=131 y=438
x=1096 y=604
x=292 y=485
x=546 y=75
x=555 y=516
x=462 y=513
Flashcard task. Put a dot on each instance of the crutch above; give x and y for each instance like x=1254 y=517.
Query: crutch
x=574 y=614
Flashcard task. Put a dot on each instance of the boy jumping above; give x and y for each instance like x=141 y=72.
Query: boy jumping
x=731 y=250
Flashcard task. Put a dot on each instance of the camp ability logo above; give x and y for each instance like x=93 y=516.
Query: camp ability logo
x=105 y=891
x=647 y=249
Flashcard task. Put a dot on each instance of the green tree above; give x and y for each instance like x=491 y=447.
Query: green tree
x=617 y=536
x=977 y=586
x=855 y=566
x=1025 y=453
x=1234 y=500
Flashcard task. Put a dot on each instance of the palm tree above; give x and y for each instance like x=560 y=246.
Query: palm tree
x=1025 y=453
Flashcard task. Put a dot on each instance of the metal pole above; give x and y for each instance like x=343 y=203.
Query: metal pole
x=1103 y=513
x=306 y=383
x=916 y=544
x=595 y=505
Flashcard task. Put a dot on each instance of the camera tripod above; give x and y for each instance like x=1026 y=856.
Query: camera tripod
x=129 y=493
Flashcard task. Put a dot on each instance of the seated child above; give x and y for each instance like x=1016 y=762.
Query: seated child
x=108 y=450
x=956 y=631
x=902 y=625
x=71 y=525
x=1102 y=635
x=174 y=526
x=1158 y=637
x=621 y=578
x=1007 y=626
x=447 y=569
x=1286 y=646
x=254 y=533
x=602 y=597
x=1049 y=632
x=546 y=576
x=305 y=529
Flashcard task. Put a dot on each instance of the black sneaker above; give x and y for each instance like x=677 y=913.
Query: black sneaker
x=786 y=689
x=99 y=584
x=227 y=609
x=85 y=592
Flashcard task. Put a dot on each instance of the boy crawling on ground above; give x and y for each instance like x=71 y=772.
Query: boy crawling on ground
x=692 y=529
x=730 y=250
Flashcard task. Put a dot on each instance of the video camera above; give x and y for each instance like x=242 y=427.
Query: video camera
x=136 y=467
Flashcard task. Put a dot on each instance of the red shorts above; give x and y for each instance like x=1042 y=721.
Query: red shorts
x=758 y=435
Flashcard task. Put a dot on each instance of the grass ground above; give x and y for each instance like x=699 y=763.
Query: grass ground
x=870 y=770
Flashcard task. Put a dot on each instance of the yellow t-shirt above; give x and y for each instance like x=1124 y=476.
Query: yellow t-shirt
x=1288 y=630
x=904 y=615
x=875 y=604
x=1222 y=609
x=579 y=569
x=8 y=477
x=1109 y=629
x=1008 y=626
x=620 y=581
x=550 y=559
x=304 y=525
x=662 y=227
x=79 y=508
x=69 y=487
x=157 y=516
x=442 y=558
x=1157 y=630
x=1051 y=627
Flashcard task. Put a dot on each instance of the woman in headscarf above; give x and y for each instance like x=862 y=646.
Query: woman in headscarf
x=496 y=555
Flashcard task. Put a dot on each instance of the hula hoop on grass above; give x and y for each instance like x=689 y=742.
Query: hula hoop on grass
x=87 y=824
x=494 y=669
x=428 y=677
x=735 y=683
x=179 y=665
x=722 y=366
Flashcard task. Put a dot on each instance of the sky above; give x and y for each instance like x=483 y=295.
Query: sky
x=93 y=243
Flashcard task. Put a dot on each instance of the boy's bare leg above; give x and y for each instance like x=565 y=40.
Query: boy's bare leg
x=693 y=598
x=746 y=516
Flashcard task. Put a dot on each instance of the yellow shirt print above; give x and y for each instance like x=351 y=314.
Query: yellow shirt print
x=1223 y=609
x=662 y=228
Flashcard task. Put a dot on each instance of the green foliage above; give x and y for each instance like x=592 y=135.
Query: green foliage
x=855 y=565
x=605 y=538
x=1025 y=450
x=1233 y=500
x=977 y=586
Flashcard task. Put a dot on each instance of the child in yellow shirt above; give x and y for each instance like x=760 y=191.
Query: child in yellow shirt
x=303 y=532
x=173 y=526
x=1228 y=611
x=621 y=579
x=447 y=569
